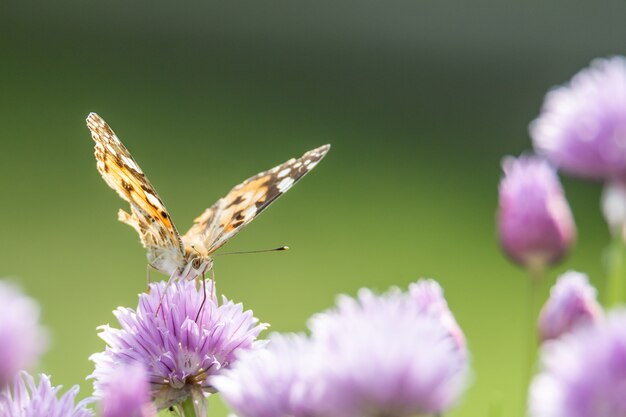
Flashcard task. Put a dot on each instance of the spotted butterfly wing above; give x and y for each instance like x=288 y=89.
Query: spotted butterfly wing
x=148 y=215
x=244 y=202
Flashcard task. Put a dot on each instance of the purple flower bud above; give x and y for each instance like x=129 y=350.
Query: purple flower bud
x=126 y=393
x=582 y=125
x=535 y=223
x=583 y=372
x=23 y=340
x=371 y=356
x=572 y=303
x=179 y=352
x=24 y=398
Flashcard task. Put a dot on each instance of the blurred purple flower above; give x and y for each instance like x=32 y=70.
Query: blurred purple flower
x=371 y=356
x=572 y=303
x=126 y=393
x=582 y=125
x=22 y=339
x=535 y=223
x=429 y=296
x=387 y=358
x=272 y=382
x=178 y=352
x=24 y=398
x=583 y=373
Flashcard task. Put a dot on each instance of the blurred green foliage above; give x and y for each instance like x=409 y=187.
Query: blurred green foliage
x=420 y=101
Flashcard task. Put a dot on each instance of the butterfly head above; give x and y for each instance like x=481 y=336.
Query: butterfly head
x=197 y=263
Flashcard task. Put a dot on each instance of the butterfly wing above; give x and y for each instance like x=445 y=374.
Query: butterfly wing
x=148 y=215
x=247 y=200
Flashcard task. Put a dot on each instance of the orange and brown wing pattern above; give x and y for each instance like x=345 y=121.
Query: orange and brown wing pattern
x=247 y=200
x=148 y=213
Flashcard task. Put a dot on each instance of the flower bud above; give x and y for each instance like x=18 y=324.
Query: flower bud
x=535 y=223
x=572 y=303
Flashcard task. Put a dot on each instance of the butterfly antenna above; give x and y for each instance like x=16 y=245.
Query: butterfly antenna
x=282 y=248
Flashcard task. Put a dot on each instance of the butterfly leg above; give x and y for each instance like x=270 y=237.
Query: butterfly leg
x=169 y=281
x=203 y=297
x=212 y=284
x=149 y=281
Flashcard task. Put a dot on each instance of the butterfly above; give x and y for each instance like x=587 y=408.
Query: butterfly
x=188 y=256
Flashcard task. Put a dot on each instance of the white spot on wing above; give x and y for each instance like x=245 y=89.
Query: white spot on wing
x=285 y=184
x=153 y=200
x=284 y=172
x=250 y=212
x=130 y=163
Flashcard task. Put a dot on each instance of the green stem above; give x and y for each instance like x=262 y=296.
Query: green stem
x=188 y=408
x=535 y=276
x=616 y=270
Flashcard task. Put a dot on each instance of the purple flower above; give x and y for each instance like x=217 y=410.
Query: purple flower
x=27 y=399
x=429 y=297
x=179 y=352
x=583 y=373
x=387 y=358
x=371 y=356
x=582 y=125
x=272 y=382
x=23 y=340
x=572 y=303
x=535 y=223
x=126 y=393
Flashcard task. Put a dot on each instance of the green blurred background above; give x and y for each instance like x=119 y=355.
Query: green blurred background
x=420 y=100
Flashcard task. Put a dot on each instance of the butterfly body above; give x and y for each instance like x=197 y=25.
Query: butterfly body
x=190 y=255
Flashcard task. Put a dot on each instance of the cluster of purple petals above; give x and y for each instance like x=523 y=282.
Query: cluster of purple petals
x=25 y=398
x=179 y=353
x=370 y=356
x=535 y=223
x=22 y=338
x=572 y=303
x=583 y=373
x=582 y=125
x=126 y=393
x=274 y=381
x=428 y=295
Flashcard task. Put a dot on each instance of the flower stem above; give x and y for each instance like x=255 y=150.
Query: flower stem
x=616 y=271
x=535 y=275
x=188 y=408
